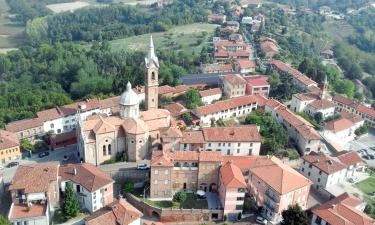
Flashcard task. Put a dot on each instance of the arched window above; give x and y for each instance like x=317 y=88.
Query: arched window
x=153 y=76
x=109 y=149
x=176 y=164
x=186 y=164
x=104 y=150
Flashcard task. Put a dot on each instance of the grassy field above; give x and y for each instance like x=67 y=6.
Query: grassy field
x=367 y=186
x=190 y=203
x=187 y=38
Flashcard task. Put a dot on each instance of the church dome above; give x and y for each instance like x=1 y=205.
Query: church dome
x=129 y=97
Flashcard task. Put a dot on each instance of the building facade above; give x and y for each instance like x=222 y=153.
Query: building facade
x=233 y=85
x=9 y=147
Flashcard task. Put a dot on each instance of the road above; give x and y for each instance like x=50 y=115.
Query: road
x=56 y=155
x=367 y=142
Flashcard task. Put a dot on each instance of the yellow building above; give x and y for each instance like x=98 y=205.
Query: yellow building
x=9 y=146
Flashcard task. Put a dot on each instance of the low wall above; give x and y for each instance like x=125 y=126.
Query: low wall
x=175 y=215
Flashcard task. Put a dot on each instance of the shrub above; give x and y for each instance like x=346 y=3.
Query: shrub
x=179 y=197
x=128 y=186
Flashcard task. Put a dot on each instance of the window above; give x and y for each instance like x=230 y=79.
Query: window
x=166 y=182
x=250 y=151
x=238 y=151
x=176 y=164
x=52 y=125
x=318 y=220
x=310 y=166
x=209 y=144
x=104 y=150
x=251 y=144
x=153 y=76
x=228 y=152
x=318 y=180
x=308 y=174
x=166 y=172
x=239 y=144
x=224 y=144
x=156 y=172
x=240 y=198
x=219 y=144
x=186 y=164
x=109 y=149
x=320 y=172
x=156 y=182
x=303 y=169
x=78 y=188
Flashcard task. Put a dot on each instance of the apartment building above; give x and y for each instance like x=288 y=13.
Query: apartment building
x=257 y=85
x=35 y=192
x=300 y=131
x=210 y=95
x=94 y=188
x=244 y=66
x=345 y=104
x=233 y=85
x=9 y=146
x=227 y=109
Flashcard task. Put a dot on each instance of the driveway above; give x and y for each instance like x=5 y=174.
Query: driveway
x=213 y=200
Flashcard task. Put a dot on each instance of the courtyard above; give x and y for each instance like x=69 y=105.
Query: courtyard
x=191 y=202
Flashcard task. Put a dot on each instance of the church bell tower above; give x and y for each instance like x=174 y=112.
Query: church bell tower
x=151 y=78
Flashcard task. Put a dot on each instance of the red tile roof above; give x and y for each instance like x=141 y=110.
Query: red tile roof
x=231 y=176
x=257 y=81
x=362 y=109
x=8 y=140
x=352 y=117
x=322 y=104
x=234 y=79
x=306 y=96
x=247 y=133
x=87 y=175
x=176 y=109
x=25 y=124
x=323 y=162
x=243 y=162
x=338 y=125
x=166 y=89
x=192 y=137
x=228 y=104
x=210 y=92
x=166 y=159
x=35 y=177
x=350 y=158
x=21 y=211
x=117 y=213
x=246 y=63
x=341 y=211
x=293 y=72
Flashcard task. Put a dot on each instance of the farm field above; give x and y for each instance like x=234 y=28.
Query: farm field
x=187 y=38
x=11 y=34
x=69 y=6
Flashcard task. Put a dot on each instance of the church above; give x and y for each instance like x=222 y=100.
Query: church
x=132 y=132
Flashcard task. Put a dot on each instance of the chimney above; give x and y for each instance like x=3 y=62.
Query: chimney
x=75 y=171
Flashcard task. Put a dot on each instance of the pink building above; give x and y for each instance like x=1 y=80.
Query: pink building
x=232 y=188
x=257 y=85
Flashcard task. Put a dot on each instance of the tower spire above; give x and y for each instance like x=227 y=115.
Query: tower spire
x=151 y=57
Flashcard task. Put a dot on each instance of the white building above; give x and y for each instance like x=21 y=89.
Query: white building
x=227 y=109
x=94 y=188
x=237 y=141
x=210 y=95
x=233 y=85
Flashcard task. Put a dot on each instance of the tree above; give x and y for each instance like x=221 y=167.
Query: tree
x=4 y=221
x=294 y=215
x=26 y=144
x=187 y=118
x=192 y=98
x=179 y=197
x=318 y=117
x=70 y=205
x=128 y=186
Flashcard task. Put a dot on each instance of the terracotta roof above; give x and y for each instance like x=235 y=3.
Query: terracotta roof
x=207 y=156
x=243 y=162
x=313 y=89
x=170 y=132
x=234 y=79
x=135 y=126
x=362 y=109
x=341 y=211
x=324 y=163
x=103 y=127
x=8 y=140
x=306 y=96
x=82 y=106
x=344 y=100
x=352 y=117
x=181 y=88
x=109 y=102
x=268 y=47
x=166 y=159
x=50 y=114
x=35 y=177
x=293 y=72
x=322 y=104
x=154 y=114
x=227 y=104
x=231 y=176
x=247 y=133
x=20 y=211
x=176 y=109
x=21 y=125
x=246 y=63
x=192 y=137
x=327 y=52
x=257 y=80
x=160 y=158
x=366 y=110
x=165 y=89
x=210 y=92
x=338 y=125
x=117 y=213
x=87 y=175
x=350 y=158
x=282 y=178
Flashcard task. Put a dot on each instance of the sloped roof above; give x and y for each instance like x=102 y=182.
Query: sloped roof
x=135 y=126
x=350 y=158
x=232 y=176
x=323 y=162
x=338 y=125
x=247 y=133
x=8 y=140
x=192 y=137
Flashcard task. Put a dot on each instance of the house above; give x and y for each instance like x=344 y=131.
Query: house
x=257 y=85
x=300 y=131
x=274 y=186
x=354 y=163
x=341 y=130
x=233 y=85
x=210 y=95
x=176 y=109
x=302 y=82
x=323 y=170
x=28 y=128
x=345 y=104
x=240 y=141
x=327 y=54
x=34 y=192
x=236 y=12
x=247 y=20
x=94 y=188
x=183 y=171
x=226 y=109
x=9 y=147
x=192 y=141
x=268 y=46
x=244 y=66
x=119 y=212
x=224 y=50
x=236 y=37
x=216 y=18
x=216 y=68
x=232 y=187
x=344 y=209
x=323 y=106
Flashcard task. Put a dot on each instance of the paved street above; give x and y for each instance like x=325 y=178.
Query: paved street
x=364 y=142
x=56 y=155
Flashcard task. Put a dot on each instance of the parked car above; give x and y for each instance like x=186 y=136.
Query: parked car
x=261 y=220
x=12 y=164
x=366 y=157
x=142 y=166
x=1 y=167
x=371 y=156
x=43 y=154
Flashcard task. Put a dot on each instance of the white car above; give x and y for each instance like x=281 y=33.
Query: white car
x=1 y=167
x=261 y=220
x=142 y=166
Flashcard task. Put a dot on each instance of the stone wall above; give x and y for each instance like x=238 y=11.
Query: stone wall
x=175 y=215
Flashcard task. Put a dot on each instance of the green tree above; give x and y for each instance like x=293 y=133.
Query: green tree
x=294 y=215
x=344 y=87
x=4 y=221
x=187 y=118
x=179 y=197
x=70 y=205
x=27 y=145
x=318 y=117
x=192 y=98
x=128 y=186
